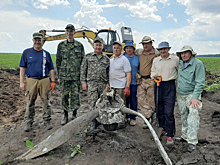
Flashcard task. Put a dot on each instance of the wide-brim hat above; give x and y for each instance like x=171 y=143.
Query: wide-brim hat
x=38 y=35
x=163 y=45
x=70 y=26
x=129 y=43
x=117 y=42
x=146 y=40
x=98 y=39
x=186 y=48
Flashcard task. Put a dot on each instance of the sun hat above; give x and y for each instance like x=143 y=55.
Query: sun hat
x=163 y=44
x=129 y=43
x=146 y=40
x=186 y=48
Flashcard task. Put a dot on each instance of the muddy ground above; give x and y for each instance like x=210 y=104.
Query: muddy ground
x=129 y=146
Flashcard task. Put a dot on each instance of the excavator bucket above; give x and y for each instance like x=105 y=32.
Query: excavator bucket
x=60 y=136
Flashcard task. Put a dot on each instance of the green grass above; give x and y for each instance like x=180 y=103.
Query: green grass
x=12 y=60
x=212 y=64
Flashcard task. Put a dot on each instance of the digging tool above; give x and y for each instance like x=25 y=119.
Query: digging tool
x=157 y=128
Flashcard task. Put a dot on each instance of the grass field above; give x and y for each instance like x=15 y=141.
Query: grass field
x=11 y=60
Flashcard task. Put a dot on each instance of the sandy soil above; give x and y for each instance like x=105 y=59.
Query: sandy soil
x=132 y=145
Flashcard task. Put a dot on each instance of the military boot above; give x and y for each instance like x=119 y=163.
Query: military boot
x=28 y=126
x=74 y=115
x=65 y=118
x=49 y=125
x=94 y=125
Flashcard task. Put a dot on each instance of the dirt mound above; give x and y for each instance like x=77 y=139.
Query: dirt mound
x=130 y=146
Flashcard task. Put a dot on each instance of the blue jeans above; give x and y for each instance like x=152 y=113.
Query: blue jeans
x=131 y=101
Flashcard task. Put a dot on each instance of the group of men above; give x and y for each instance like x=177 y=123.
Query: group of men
x=130 y=74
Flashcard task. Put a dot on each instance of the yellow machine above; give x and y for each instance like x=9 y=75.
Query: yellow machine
x=108 y=35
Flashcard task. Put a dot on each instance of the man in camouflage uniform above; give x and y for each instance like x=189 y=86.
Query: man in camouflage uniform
x=69 y=57
x=190 y=84
x=95 y=74
x=145 y=91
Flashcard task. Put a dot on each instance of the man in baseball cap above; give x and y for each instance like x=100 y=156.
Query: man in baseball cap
x=190 y=84
x=68 y=60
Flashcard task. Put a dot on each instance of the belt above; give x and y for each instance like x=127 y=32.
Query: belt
x=145 y=77
x=39 y=78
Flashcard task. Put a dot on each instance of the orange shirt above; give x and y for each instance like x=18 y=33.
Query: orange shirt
x=146 y=61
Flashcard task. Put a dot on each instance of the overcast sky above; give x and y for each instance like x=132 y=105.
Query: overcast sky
x=180 y=22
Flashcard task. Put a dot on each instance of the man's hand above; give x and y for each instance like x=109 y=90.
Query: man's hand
x=195 y=103
x=58 y=80
x=127 y=92
x=23 y=86
x=84 y=87
x=52 y=86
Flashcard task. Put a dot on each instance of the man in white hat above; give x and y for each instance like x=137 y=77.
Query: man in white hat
x=145 y=91
x=191 y=82
x=167 y=66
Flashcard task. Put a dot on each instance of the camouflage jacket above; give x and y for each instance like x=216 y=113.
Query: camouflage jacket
x=68 y=60
x=95 y=69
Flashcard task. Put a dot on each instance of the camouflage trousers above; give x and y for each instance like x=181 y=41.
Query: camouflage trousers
x=189 y=117
x=35 y=87
x=95 y=90
x=70 y=94
x=145 y=95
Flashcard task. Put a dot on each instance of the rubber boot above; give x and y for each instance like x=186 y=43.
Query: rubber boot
x=65 y=118
x=94 y=125
x=49 y=125
x=74 y=115
x=28 y=126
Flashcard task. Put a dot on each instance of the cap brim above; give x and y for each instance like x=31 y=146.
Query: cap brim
x=145 y=42
x=163 y=47
x=38 y=37
x=179 y=53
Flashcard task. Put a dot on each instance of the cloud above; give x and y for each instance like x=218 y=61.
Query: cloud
x=89 y=15
x=43 y=4
x=170 y=16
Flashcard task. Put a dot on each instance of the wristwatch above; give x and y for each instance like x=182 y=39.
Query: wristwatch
x=127 y=86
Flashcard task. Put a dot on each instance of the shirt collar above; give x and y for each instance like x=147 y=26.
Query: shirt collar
x=169 y=57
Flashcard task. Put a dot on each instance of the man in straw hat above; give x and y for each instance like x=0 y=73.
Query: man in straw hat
x=191 y=81
x=167 y=66
x=145 y=91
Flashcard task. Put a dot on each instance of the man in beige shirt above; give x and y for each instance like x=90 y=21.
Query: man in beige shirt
x=145 y=91
x=167 y=66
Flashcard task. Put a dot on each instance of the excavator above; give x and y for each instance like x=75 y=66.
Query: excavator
x=109 y=36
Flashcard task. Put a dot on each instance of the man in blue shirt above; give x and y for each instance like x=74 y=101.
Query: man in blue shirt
x=37 y=64
x=131 y=101
x=191 y=82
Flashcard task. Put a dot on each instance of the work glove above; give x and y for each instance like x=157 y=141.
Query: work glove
x=127 y=92
x=52 y=86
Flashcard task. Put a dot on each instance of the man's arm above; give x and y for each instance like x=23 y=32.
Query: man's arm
x=58 y=61
x=83 y=73
x=22 y=74
x=200 y=84
x=52 y=75
x=153 y=70
x=128 y=79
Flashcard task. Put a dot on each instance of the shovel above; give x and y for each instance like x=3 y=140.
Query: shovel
x=157 y=128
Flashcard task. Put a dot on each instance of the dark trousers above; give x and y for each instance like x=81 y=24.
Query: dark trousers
x=166 y=103
x=131 y=101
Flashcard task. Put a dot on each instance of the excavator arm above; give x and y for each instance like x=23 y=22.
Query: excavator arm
x=88 y=34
